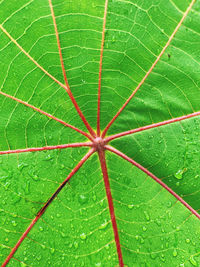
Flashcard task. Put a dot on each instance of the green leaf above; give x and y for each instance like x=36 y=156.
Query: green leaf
x=99 y=133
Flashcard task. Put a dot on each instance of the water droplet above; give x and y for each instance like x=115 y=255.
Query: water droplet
x=103 y=225
x=146 y=216
x=144 y=228
x=21 y=166
x=197 y=176
x=83 y=236
x=175 y=253
x=41 y=228
x=33 y=175
x=179 y=173
x=63 y=234
x=193 y=261
x=39 y=257
x=107 y=247
x=142 y=240
x=62 y=166
x=76 y=244
x=187 y=240
x=27 y=187
x=82 y=199
x=94 y=197
x=113 y=39
x=101 y=203
x=52 y=250
x=158 y=222
x=130 y=206
x=153 y=256
x=14 y=223
x=169 y=204
x=48 y=157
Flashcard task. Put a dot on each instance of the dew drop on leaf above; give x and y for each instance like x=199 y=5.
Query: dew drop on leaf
x=52 y=250
x=83 y=236
x=142 y=240
x=33 y=175
x=169 y=204
x=39 y=257
x=137 y=237
x=158 y=222
x=21 y=166
x=14 y=223
x=76 y=244
x=146 y=215
x=48 y=157
x=175 y=253
x=82 y=199
x=179 y=173
x=27 y=187
x=193 y=261
x=130 y=206
x=103 y=225
x=94 y=197
x=62 y=166
x=144 y=229
x=107 y=247
x=101 y=203
x=153 y=256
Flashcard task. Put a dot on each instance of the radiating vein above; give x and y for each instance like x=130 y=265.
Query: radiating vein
x=65 y=75
x=122 y=155
x=149 y=71
x=43 y=209
x=35 y=149
x=110 y=204
x=100 y=68
x=46 y=114
x=151 y=126
x=54 y=79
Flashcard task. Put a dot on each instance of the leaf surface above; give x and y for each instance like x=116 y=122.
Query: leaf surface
x=99 y=133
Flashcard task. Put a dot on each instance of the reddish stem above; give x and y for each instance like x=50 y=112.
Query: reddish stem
x=34 y=149
x=46 y=114
x=110 y=203
x=119 y=153
x=154 y=125
x=149 y=71
x=100 y=69
x=43 y=209
x=65 y=76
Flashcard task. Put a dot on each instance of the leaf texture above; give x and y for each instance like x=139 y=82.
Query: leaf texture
x=99 y=133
